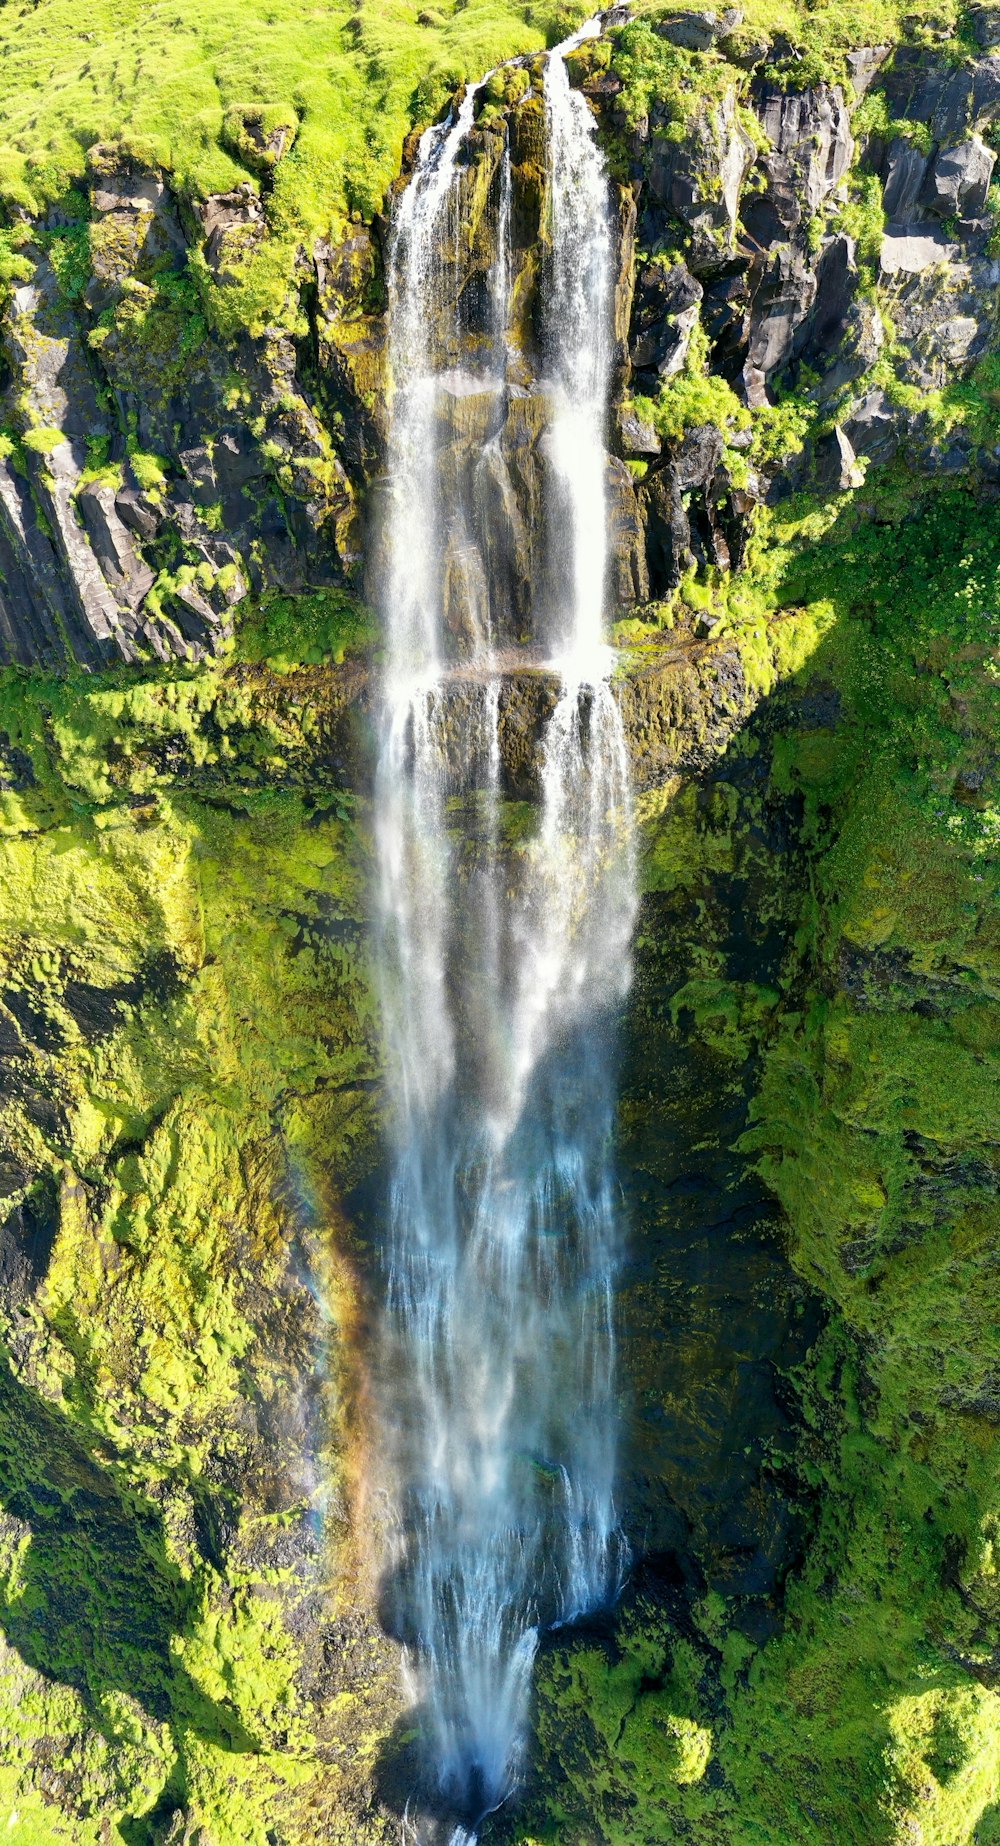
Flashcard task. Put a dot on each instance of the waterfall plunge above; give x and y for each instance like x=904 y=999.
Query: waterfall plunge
x=500 y=974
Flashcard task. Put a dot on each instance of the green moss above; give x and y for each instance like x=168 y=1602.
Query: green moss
x=193 y=980
x=872 y=1715
x=290 y=630
x=694 y=398
x=43 y=439
x=819 y=37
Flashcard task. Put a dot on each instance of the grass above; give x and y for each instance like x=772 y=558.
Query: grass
x=172 y=78
x=179 y=80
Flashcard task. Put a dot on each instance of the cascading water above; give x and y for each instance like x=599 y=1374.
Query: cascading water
x=501 y=972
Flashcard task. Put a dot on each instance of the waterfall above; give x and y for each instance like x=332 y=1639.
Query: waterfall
x=501 y=971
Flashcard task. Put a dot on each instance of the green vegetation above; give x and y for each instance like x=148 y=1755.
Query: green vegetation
x=191 y=1057
x=819 y=35
x=200 y=87
x=693 y=398
x=872 y=1717
x=183 y=970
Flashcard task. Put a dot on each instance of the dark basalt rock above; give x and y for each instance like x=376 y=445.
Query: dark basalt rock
x=810 y=132
x=699 y=180
x=282 y=463
x=128 y=577
x=874 y=427
x=905 y=173
x=958 y=182
x=865 y=65
x=698 y=31
x=984 y=18
x=664 y=313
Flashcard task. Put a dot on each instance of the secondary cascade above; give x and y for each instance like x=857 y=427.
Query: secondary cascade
x=502 y=969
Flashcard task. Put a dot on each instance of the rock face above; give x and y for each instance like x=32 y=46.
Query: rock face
x=160 y=471
x=162 y=468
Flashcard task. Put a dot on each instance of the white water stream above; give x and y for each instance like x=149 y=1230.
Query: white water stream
x=501 y=975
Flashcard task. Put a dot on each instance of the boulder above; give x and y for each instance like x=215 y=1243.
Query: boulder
x=908 y=250
x=136 y=512
x=698 y=31
x=873 y=427
x=959 y=180
x=746 y=49
x=636 y=439
x=865 y=64
x=664 y=315
x=697 y=457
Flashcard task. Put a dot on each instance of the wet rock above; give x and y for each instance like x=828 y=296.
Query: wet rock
x=624 y=222
x=959 y=180
x=681 y=706
x=628 y=573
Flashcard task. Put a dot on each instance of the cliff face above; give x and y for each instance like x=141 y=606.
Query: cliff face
x=806 y=580
x=807 y=289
